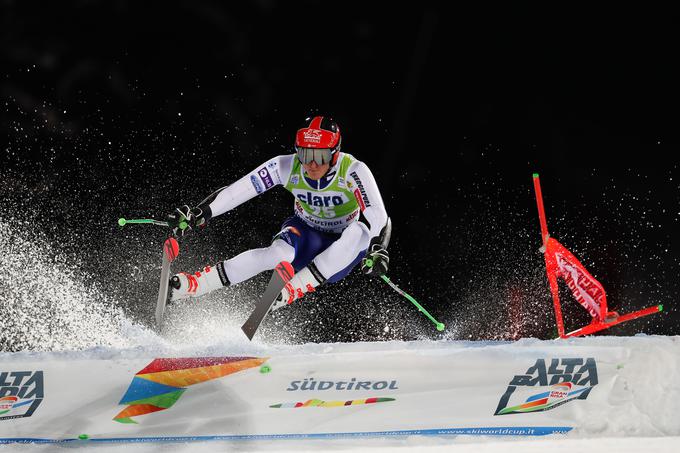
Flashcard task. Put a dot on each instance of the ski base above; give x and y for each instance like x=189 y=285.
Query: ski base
x=280 y=277
x=170 y=252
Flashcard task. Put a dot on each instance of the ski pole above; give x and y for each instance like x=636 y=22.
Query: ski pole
x=122 y=222
x=440 y=326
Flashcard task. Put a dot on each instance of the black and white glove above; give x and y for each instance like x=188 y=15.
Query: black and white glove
x=184 y=219
x=376 y=261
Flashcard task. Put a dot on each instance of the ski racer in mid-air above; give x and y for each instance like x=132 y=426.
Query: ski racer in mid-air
x=339 y=219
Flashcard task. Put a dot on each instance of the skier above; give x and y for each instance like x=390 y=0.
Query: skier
x=339 y=219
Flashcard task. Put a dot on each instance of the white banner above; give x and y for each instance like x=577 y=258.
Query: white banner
x=534 y=388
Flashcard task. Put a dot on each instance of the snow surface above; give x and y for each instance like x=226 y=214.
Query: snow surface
x=656 y=356
x=54 y=311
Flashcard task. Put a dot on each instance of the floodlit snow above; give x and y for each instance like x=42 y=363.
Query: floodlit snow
x=641 y=421
x=53 y=311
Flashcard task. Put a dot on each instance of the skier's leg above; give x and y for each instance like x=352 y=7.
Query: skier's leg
x=250 y=263
x=331 y=265
x=241 y=267
x=231 y=271
x=341 y=256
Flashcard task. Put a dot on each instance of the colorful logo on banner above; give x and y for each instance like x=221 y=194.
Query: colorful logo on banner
x=21 y=392
x=321 y=403
x=543 y=388
x=158 y=386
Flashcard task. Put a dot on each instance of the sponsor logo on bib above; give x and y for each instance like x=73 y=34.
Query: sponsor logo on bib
x=320 y=199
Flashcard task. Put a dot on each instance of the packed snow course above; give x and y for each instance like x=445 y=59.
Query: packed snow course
x=82 y=369
x=602 y=387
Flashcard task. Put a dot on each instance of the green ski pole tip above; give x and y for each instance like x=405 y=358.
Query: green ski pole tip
x=122 y=221
x=265 y=369
x=83 y=437
x=440 y=326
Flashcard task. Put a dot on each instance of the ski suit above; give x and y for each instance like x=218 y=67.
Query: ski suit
x=324 y=233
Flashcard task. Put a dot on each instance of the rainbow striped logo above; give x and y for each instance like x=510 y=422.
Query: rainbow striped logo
x=556 y=395
x=21 y=392
x=321 y=403
x=555 y=383
x=161 y=383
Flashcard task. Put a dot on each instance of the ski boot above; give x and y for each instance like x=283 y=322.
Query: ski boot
x=303 y=282
x=186 y=286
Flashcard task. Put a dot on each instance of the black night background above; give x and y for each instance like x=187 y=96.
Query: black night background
x=123 y=109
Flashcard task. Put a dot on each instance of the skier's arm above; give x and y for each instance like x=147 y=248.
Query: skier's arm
x=376 y=261
x=273 y=172
x=368 y=195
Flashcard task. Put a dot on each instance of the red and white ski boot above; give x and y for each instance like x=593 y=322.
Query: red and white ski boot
x=303 y=282
x=185 y=286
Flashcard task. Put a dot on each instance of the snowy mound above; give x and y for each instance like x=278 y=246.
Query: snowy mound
x=587 y=387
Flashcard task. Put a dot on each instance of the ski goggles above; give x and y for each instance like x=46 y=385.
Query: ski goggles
x=319 y=155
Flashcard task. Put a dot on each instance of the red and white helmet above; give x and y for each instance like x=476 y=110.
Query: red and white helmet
x=318 y=140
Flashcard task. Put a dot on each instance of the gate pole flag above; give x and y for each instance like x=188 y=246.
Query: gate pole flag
x=587 y=291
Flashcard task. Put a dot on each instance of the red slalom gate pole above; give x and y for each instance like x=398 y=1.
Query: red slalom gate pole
x=605 y=321
x=541 y=210
x=551 y=276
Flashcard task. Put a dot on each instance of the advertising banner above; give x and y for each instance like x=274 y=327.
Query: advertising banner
x=438 y=390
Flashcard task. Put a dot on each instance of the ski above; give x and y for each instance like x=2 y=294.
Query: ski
x=170 y=252
x=280 y=277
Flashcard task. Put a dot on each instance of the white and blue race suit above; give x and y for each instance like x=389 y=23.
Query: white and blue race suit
x=324 y=230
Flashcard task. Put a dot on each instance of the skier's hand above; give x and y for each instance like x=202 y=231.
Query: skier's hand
x=190 y=218
x=376 y=261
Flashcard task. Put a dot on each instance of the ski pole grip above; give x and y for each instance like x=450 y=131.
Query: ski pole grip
x=123 y=221
x=368 y=262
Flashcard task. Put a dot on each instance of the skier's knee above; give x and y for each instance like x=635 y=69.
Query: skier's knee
x=282 y=251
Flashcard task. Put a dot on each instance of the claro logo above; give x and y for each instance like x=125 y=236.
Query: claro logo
x=321 y=199
x=312 y=384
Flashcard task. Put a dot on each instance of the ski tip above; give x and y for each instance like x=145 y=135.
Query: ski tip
x=535 y=175
x=172 y=248
x=288 y=267
x=285 y=270
x=247 y=333
x=659 y=307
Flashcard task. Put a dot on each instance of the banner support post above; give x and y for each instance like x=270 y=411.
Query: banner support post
x=554 y=289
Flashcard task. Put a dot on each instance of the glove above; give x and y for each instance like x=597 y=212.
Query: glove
x=379 y=258
x=194 y=218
